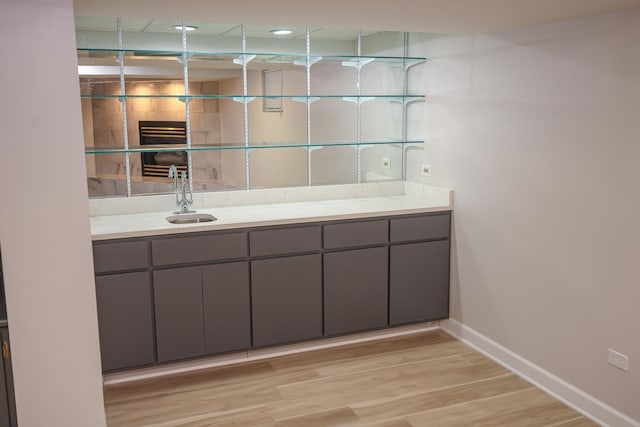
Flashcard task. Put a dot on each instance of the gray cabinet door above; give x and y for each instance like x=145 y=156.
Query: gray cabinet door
x=7 y=399
x=4 y=396
x=227 y=308
x=419 y=282
x=125 y=320
x=179 y=313
x=355 y=290
x=286 y=299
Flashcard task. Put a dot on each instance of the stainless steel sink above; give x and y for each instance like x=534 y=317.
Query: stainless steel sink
x=190 y=218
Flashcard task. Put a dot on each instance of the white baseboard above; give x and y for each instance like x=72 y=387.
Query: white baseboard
x=266 y=353
x=572 y=396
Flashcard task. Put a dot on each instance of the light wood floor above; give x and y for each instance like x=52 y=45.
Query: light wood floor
x=427 y=379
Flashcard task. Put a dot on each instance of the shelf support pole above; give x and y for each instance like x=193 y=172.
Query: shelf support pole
x=245 y=92
x=123 y=101
x=405 y=91
x=358 y=111
x=187 y=104
x=308 y=69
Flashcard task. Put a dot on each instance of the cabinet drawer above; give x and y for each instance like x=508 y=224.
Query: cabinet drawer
x=285 y=240
x=119 y=256
x=355 y=234
x=420 y=228
x=214 y=247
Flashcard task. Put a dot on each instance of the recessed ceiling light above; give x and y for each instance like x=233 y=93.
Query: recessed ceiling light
x=186 y=27
x=281 y=32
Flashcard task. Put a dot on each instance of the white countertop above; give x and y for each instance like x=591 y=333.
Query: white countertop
x=406 y=198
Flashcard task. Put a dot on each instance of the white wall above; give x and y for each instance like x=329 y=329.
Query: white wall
x=537 y=130
x=44 y=220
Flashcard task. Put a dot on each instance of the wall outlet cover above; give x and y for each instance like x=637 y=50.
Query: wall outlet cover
x=618 y=360
x=386 y=163
x=425 y=169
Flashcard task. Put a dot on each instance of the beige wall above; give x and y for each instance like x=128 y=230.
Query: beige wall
x=44 y=220
x=537 y=132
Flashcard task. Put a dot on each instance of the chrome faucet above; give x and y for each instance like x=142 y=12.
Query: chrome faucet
x=182 y=201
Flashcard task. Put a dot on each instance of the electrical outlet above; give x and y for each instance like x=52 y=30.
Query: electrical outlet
x=618 y=360
x=425 y=169
x=386 y=163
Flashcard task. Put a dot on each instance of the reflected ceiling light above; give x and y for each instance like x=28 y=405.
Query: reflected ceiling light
x=281 y=32
x=186 y=27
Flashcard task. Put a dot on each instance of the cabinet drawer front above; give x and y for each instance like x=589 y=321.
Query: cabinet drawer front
x=355 y=234
x=119 y=256
x=182 y=250
x=420 y=228
x=284 y=241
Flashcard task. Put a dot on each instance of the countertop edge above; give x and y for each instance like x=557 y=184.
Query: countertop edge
x=213 y=226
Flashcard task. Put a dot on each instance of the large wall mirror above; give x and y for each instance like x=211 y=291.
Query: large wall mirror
x=242 y=107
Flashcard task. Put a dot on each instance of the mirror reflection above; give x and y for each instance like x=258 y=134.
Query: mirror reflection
x=239 y=107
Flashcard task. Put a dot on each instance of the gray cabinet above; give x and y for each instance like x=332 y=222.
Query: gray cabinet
x=179 y=313
x=419 y=282
x=419 y=268
x=4 y=397
x=168 y=298
x=202 y=310
x=125 y=320
x=7 y=401
x=355 y=290
x=124 y=301
x=226 y=302
x=286 y=299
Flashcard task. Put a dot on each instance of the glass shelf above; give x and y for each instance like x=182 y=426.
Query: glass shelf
x=168 y=148
x=300 y=98
x=233 y=57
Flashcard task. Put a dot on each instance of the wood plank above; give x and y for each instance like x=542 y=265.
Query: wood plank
x=243 y=375
x=528 y=407
x=252 y=416
x=579 y=421
x=395 y=358
x=420 y=402
x=376 y=348
x=339 y=416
